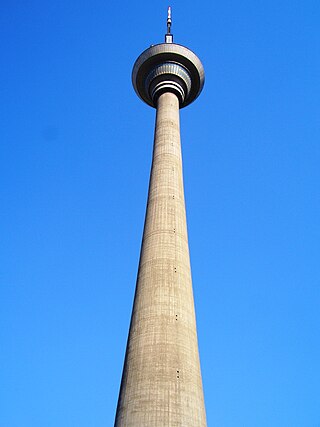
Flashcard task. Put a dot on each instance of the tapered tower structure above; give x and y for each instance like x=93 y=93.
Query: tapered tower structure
x=161 y=383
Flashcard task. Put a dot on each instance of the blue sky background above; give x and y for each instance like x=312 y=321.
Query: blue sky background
x=76 y=146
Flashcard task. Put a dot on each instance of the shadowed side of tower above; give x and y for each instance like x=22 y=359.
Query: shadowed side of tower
x=161 y=382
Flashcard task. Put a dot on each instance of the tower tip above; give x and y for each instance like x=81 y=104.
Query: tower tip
x=169 y=19
x=169 y=36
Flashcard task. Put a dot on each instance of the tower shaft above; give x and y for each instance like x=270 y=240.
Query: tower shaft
x=161 y=384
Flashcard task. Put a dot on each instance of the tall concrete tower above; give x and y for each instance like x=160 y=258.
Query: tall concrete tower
x=161 y=382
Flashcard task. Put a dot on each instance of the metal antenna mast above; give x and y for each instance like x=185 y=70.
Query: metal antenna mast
x=169 y=36
x=169 y=20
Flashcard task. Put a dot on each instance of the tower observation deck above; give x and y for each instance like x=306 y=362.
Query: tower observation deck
x=161 y=383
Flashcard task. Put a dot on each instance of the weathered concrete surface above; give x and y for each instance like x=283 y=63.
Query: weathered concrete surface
x=161 y=383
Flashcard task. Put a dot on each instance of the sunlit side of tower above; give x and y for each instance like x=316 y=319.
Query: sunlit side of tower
x=161 y=382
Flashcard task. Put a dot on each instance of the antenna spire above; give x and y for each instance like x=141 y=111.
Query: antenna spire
x=169 y=21
x=169 y=36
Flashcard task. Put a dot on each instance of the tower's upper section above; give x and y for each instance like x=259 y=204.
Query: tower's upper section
x=168 y=67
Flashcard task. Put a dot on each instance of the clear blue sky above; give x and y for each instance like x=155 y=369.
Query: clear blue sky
x=76 y=147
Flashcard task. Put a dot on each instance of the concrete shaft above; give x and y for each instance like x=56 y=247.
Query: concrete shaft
x=161 y=383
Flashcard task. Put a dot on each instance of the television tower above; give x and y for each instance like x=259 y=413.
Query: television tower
x=161 y=383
